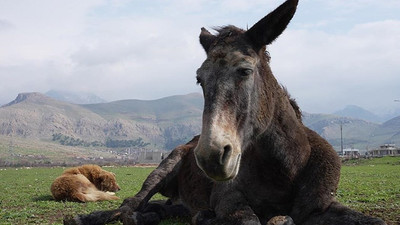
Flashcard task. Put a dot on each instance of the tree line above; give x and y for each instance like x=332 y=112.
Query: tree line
x=109 y=143
x=71 y=141
x=139 y=143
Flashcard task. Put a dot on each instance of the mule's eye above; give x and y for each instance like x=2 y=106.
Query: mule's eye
x=245 y=71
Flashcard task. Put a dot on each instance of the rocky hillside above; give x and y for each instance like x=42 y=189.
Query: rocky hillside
x=36 y=116
x=354 y=111
x=162 y=123
x=388 y=132
x=356 y=132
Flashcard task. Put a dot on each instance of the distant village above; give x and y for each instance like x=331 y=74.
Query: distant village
x=143 y=157
x=121 y=157
x=383 y=150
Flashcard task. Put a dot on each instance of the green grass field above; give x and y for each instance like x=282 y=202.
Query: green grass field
x=370 y=186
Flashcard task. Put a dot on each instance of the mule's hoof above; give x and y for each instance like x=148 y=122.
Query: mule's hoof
x=281 y=220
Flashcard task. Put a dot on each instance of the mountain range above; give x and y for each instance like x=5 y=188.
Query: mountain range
x=354 y=111
x=161 y=124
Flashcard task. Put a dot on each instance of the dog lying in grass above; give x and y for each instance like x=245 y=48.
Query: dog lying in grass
x=87 y=183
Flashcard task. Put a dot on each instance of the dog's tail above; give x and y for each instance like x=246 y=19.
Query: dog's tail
x=92 y=194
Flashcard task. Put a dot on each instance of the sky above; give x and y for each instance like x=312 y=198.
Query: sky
x=334 y=53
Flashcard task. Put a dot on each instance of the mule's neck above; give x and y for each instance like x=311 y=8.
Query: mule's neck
x=284 y=138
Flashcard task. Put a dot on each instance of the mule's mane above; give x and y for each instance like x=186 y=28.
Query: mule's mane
x=228 y=31
x=293 y=103
x=233 y=31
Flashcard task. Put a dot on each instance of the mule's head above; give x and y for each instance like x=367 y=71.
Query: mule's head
x=236 y=79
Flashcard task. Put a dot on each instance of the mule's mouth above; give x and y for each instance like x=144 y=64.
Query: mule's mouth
x=218 y=152
x=218 y=171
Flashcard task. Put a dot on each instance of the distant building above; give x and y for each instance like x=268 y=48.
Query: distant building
x=152 y=156
x=145 y=156
x=351 y=153
x=386 y=149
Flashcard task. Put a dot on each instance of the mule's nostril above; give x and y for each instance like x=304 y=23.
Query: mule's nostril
x=226 y=154
x=227 y=148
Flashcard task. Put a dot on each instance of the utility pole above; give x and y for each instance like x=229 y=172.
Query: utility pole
x=341 y=137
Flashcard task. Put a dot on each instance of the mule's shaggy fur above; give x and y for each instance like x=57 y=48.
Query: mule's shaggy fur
x=87 y=183
x=254 y=162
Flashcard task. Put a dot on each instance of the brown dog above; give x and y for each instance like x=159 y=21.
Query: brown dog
x=87 y=183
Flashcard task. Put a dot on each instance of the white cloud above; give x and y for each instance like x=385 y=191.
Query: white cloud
x=41 y=31
x=327 y=71
x=356 y=4
x=5 y=25
x=149 y=49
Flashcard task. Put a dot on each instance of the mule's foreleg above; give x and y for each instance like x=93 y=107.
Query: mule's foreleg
x=161 y=177
x=157 y=180
x=154 y=212
x=96 y=218
x=229 y=206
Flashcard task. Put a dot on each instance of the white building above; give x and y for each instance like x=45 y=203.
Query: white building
x=351 y=153
x=386 y=149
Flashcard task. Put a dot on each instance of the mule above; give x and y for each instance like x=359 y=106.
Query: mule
x=254 y=162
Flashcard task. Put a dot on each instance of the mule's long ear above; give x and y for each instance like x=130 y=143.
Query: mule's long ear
x=265 y=31
x=206 y=39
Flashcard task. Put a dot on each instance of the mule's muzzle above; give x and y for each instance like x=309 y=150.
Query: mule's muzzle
x=219 y=164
